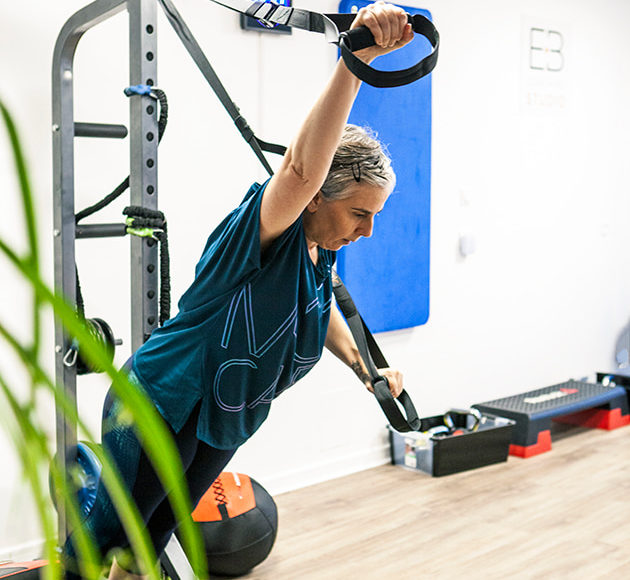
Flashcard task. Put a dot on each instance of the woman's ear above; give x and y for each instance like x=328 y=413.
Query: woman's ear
x=314 y=204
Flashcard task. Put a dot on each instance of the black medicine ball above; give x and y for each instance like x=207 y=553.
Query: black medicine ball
x=238 y=521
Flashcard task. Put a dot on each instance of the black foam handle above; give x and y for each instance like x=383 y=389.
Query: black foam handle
x=361 y=37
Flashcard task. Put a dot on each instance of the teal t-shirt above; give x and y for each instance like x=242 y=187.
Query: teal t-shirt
x=248 y=328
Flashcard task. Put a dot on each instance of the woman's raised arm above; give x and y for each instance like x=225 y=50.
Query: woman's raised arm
x=308 y=158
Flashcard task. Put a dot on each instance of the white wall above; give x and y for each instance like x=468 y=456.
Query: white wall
x=542 y=190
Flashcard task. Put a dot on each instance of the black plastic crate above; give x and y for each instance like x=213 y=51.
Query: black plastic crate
x=445 y=454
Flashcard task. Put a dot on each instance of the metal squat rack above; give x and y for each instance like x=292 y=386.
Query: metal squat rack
x=143 y=186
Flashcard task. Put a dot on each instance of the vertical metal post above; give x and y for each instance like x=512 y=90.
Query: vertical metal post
x=143 y=175
x=64 y=233
x=63 y=209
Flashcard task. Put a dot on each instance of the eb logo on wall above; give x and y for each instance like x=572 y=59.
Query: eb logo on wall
x=545 y=49
x=545 y=64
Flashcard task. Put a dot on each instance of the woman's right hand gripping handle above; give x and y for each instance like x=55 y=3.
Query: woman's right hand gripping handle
x=389 y=26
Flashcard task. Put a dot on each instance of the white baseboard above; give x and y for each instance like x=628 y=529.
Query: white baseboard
x=24 y=552
x=338 y=466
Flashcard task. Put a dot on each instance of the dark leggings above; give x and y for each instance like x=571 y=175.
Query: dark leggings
x=202 y=465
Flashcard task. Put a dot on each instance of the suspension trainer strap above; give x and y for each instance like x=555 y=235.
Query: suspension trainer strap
x=373 y=357
x=336 y=29
x=193 y=48
x=355 y=39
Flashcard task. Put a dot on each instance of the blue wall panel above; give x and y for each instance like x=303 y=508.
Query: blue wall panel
x=388 y=274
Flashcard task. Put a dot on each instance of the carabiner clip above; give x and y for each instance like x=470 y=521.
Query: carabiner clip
x=70 y=358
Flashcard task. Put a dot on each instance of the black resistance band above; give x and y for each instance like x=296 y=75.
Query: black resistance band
x=336 y=29
x=155 y=229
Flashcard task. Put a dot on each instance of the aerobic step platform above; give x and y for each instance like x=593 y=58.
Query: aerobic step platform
x=573 y=402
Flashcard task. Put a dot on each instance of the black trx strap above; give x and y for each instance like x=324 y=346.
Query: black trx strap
x=374 y=359
x=330 y=25
x=193 y=48
x=336 y=29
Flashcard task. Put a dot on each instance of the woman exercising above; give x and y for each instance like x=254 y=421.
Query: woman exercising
x=258 y=314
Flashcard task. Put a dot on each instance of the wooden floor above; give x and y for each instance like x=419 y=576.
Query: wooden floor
x=562 y=514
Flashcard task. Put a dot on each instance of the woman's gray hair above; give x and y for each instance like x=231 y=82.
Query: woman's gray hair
x=360 y=158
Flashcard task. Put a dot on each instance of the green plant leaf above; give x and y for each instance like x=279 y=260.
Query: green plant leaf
x=156 y=438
